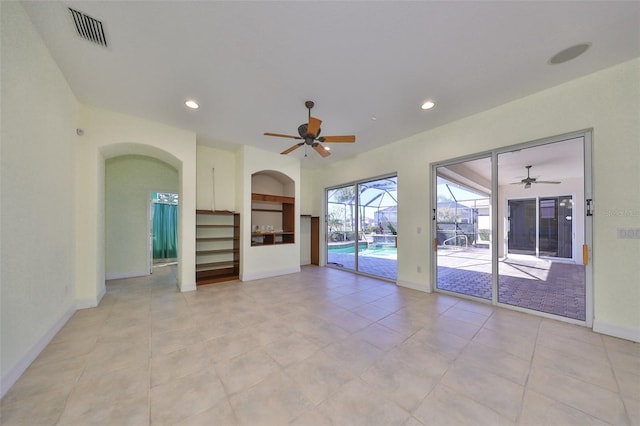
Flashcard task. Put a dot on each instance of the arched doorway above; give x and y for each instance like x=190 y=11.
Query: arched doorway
x=138 y=216
x=102 y=140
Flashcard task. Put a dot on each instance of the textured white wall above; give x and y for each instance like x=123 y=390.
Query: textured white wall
x=39 y=118
x=224 y=164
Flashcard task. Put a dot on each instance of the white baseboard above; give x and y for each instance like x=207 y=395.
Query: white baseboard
x=622 y=332
x=91 y=303
x=268 y=274
x=414 y=286
x=185 y=288
x=121 y=275
x=12 y=376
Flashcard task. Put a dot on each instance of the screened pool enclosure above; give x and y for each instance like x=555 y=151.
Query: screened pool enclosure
x=362 y=221
x=463 y=216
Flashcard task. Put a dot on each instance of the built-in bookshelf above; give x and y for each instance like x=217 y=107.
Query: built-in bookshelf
x=273 y=220
x=217 y=246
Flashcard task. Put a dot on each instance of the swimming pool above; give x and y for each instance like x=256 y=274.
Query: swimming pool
x=346 y=247
x=363 y=250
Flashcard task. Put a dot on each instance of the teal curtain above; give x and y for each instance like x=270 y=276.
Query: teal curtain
x=165 y=231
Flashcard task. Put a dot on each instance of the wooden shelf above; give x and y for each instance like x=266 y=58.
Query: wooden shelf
x=271 y=238
x=215 y=212
x=275 y=210
x=261 y=234
x=220 y=251
x=266 y=210
x=215 y=265
x=217 y=246
x=268 y=198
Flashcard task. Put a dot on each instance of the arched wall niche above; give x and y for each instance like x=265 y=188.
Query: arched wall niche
x=272 y=208
x=272 y=182
x=267 y=260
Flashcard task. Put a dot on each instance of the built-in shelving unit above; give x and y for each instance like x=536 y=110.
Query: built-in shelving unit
x=217 y=246
x=273 y=220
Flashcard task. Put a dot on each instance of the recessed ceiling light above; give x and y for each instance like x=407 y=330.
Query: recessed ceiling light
x=428 y=105
x=374 y=118
x=327 y=148
x=569 y=53
x=190 y=103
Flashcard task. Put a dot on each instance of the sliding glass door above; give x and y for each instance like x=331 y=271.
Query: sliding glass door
x=523 y=226
x=541 y=226
x=463 y=228
x=544 y=189
x=341 y=227
x=362 y=223
x=555 y=234
x=513 y=228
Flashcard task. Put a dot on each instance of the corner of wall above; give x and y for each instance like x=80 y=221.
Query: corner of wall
x=91 y=302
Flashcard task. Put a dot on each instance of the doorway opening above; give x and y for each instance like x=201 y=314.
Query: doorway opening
x=163 y=220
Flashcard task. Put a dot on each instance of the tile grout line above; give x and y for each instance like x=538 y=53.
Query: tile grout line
x=525 y=386
x=615 y=377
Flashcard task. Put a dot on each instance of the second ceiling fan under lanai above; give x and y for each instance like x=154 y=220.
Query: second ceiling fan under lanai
x=310 y=135
x=529 y=180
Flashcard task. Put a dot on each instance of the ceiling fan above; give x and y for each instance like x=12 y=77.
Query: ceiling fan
x=310 y=135
x=529 y=180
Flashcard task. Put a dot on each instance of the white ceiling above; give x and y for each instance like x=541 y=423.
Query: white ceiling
x=557 y=161
x=251 y=65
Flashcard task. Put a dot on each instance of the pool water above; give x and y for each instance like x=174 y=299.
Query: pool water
x=372 y=251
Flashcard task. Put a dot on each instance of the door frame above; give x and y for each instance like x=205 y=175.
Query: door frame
x=434 y=222
x=356 y=218
x=537 y=198
x=150 y=204
x=315 y=240
x=588 y=249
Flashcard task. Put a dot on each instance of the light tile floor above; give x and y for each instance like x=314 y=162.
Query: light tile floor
x=322 y=347
x=526 y=281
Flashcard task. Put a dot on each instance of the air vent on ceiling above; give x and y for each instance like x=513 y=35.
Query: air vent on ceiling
x=89 y=28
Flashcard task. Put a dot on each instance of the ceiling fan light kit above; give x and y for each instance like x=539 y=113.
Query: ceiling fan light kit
x=309 y=134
